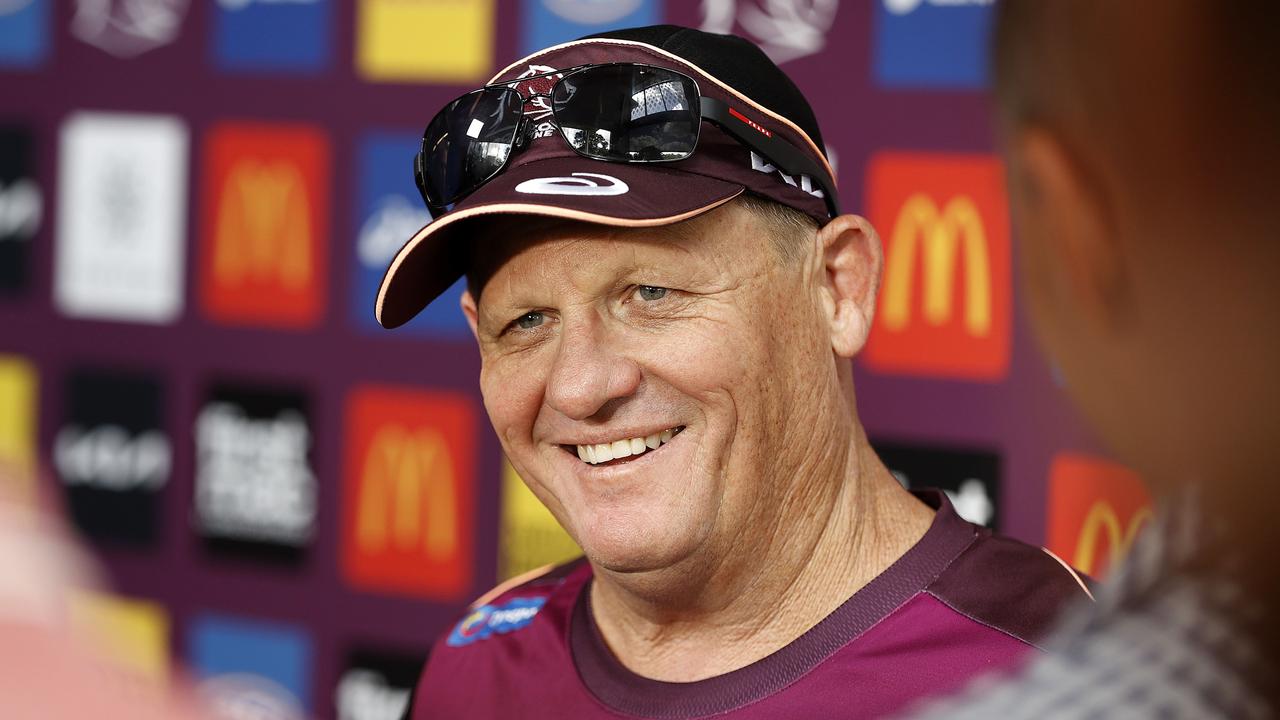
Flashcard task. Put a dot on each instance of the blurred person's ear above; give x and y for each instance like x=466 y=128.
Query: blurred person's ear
x=852 y=261
x=1071 y=255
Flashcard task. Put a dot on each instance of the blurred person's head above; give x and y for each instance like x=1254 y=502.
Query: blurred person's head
x=1143 y=147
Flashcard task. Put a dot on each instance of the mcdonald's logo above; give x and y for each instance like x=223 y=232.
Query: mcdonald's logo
x=264 y=259
x=945 y=301
x=409 y=492
x=1096 y=510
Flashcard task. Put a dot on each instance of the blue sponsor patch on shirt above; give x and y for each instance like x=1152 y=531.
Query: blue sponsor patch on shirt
x=487 y=620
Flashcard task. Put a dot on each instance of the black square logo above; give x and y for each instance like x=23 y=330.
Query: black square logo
x=113 y=454
x=376 y=685
x=969 y=477
x=21 y=207
x=255 y=485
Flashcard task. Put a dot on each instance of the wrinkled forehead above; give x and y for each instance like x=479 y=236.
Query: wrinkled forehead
x=531 y=249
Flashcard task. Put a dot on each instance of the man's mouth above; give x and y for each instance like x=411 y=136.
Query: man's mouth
x=622 y=448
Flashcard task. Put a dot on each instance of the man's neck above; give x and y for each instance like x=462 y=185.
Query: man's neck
x=752 y=605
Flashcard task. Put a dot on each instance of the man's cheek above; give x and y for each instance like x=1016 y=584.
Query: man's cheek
x=512 y=401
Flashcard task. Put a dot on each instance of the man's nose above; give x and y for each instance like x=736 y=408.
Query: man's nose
x=588 y=372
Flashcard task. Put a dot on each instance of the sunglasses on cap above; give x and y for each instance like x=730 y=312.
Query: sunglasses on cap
x=615 y=112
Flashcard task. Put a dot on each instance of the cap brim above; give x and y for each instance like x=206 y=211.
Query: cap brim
x=573 y=188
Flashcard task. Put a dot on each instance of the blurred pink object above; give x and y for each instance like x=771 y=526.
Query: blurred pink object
x=48 y=670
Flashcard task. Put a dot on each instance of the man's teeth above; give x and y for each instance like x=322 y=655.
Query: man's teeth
x=604 y=452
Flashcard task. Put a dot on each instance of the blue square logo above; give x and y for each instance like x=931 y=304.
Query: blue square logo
x=251 y=665
x=272 y=35
x=24 y=32
x=932 y=43
x=551 y=22
x=390 y=212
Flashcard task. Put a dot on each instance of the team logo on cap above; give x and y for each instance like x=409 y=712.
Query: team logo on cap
x=578 y=184
x=487 y=620
x=538 y=109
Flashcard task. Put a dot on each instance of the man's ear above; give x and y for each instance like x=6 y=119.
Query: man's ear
x=1072 y=258
x=852 y=259
x=468 y=305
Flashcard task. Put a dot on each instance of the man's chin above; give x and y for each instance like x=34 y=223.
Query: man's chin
x=627 y=555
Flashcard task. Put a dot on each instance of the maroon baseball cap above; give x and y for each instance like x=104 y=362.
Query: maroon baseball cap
x=547 y=178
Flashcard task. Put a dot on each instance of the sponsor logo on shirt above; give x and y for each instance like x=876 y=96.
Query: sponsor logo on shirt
x=945 y=302
x=264 y=256
x=390 y=211
x=488 y=620
x=551 y=22
x=430 y=41
x=932 y=43
x=24 y=32
x=1096 y=510
x=127 y=28
x=272 y=35
x=18 y=398
x=969 y=477
x=113 y=454
x=376 y=685
x=256 y=489
x=251 y=669
x=785 y=29
x=408 y=492
x=121 y=229
x=21 y=207
x=530 y=537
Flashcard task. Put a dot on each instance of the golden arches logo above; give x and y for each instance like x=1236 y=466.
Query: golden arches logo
x=920 y=223
x=264 y=226
x=408 y=497
x=1102 y=520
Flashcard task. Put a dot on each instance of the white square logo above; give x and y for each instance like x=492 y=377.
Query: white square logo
x=122 y=210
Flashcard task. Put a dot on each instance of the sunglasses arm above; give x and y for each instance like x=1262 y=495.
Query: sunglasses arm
x=780 y=153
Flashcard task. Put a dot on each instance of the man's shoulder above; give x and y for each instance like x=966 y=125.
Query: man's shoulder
x=544 y=596
x=1011 y=586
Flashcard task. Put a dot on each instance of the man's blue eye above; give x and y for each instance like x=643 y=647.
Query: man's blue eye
x=649 y=293
x=529 y=321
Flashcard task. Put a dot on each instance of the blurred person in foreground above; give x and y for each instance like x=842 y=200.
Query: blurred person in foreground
x=1143 y=146
x=666 y=301
x=50 y=668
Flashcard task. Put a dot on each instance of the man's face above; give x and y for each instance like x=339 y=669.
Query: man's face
x=696 y=334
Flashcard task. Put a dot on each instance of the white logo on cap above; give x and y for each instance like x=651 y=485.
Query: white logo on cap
x=759 y=164
x=578 y=184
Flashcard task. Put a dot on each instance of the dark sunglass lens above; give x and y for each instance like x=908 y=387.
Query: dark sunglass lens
x=468 y=142
x=628 y=113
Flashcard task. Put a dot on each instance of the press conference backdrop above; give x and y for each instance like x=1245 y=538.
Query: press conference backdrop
x=197 y=200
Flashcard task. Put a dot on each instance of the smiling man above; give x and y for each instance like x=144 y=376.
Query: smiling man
x=666 y=299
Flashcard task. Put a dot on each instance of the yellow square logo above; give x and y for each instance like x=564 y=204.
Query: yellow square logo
x=432 y=41
x=133 y=635
x=530 y=536
x=17 y=424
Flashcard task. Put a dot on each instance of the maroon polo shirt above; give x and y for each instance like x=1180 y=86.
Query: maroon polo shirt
x=961 y=602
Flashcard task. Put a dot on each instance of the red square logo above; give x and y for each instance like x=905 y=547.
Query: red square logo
x=1096 y=509
x=945 y=301
x=263 y=255
x=408 y=492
